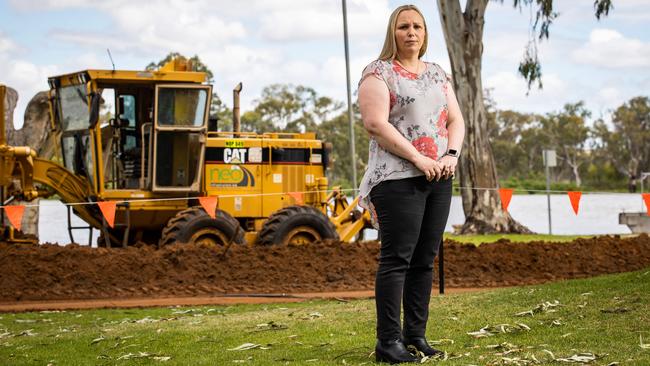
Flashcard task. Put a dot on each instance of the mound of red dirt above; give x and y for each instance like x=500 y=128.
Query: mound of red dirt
x=52 y=272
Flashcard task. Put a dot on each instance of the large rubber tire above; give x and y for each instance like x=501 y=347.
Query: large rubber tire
x=296 y=225
x=195 y=226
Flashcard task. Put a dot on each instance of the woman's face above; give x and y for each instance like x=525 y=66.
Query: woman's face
x=409 y=32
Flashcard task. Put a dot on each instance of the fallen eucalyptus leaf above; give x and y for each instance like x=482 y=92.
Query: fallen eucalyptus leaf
x=580 y=358
x=545 y=307
x=642 y=345
x=28 y=333
x=97 y=340
x=245 y=346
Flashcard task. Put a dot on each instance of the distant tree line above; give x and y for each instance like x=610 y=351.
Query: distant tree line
x=606 y=155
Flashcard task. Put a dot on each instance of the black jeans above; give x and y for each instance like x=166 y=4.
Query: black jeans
x=412 y=215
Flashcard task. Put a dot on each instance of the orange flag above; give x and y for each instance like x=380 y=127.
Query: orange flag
x=506 y=195
x=575 y=200
x=209 y=205
x=646 y=198
x=108 y=210
x=15 y=215
x=297 y=196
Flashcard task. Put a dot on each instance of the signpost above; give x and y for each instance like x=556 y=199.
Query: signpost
x=550 y=160
x=644 y=175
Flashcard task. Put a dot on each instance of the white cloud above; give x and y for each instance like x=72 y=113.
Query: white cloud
x=609 y=48
x=631 y=10
x=6 y=44
x=609 y=94
x=94 y=40
x=308 y=21
x=509 y=92
x=23 y=76
x=182 y=26
x=32 y=5
x=145 y=28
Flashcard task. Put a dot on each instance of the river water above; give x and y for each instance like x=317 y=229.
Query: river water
x=598 y=215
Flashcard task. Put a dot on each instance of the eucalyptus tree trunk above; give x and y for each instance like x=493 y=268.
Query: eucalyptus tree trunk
x=573 y=163
x=463 y=32
x=35 y=133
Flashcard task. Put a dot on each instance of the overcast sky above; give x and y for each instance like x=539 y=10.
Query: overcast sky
x=260 y=42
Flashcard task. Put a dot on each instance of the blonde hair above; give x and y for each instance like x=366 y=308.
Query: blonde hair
x=389 y=51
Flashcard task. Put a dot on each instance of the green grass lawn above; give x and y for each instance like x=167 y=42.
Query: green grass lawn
x=520 y=238
x=600 y=321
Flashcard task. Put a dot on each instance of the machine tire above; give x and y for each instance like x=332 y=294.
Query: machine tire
x=296 y=225
x=195 y=226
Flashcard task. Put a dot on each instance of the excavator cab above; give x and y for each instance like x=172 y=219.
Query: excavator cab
x=136 y=136
x=181 y=117
x=130 y=131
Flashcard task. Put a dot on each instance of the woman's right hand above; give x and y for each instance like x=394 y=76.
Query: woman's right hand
x=431 y=168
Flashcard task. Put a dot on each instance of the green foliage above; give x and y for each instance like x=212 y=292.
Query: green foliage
x=588 y=158
x=602 y=7
x=605 y=316
x=289 y=108
x=567 y=132
x=220 y=111
x=530 y=67
x=337 y=131
x=292 y=108
x=535 y=184
x=627 y=146
x=195 y=61
x=519 y=238
x=517 y=143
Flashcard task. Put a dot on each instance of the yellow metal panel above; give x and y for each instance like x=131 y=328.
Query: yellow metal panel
x=238 y=187
x=122 y=76
x=238 y=182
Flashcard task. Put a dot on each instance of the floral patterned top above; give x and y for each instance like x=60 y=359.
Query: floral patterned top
x=418 y=110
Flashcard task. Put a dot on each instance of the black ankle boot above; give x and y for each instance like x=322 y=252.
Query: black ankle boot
x=421 y=344
x=393 y=352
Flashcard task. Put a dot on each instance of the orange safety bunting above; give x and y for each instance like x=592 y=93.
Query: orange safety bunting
x=506 y=195
x=108 y=210
x=646 y=198
x=297 y=196
x=574 y=196
x=15 y=215
x=209 y=205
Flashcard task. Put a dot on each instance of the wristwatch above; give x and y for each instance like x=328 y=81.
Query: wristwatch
x=453 y=152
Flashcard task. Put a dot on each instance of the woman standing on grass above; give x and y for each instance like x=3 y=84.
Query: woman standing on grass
x=411 y=113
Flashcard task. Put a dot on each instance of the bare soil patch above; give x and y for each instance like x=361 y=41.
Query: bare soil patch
x=72 y=272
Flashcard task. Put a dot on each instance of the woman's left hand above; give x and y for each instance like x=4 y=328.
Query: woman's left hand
x=448 y=164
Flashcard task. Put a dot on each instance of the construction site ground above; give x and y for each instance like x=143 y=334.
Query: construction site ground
x=58 y=277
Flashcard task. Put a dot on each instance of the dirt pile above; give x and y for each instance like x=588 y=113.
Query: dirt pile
x=51 y=272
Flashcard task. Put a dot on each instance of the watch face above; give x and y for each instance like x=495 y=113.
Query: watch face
x=452 y=152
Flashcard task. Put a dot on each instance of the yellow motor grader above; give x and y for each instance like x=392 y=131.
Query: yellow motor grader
x=144 y=140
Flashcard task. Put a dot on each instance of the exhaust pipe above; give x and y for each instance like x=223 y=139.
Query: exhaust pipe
x=3 y=93
x=236 y=119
